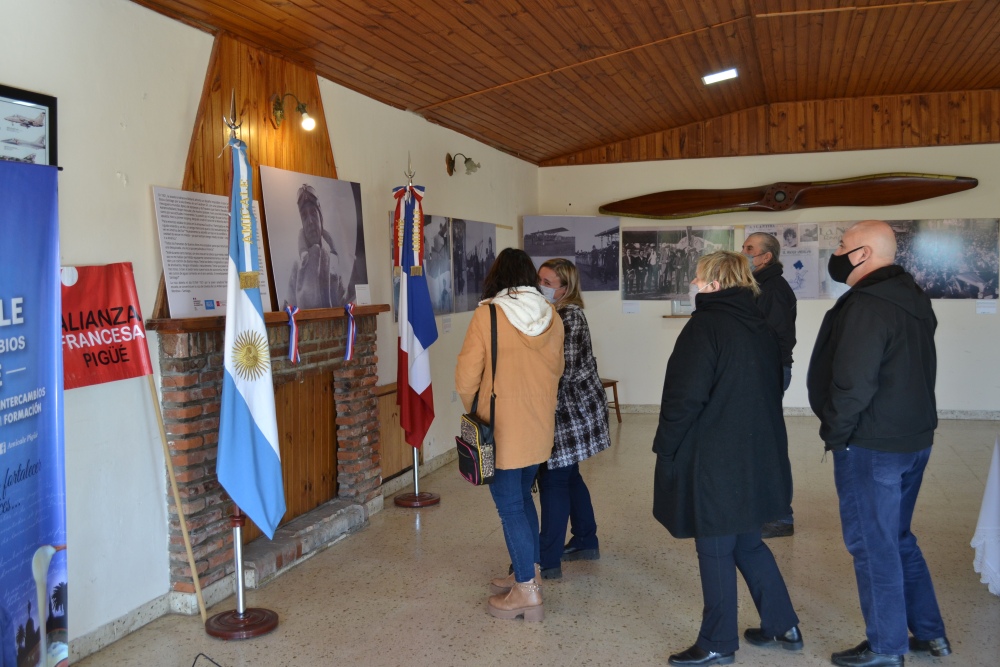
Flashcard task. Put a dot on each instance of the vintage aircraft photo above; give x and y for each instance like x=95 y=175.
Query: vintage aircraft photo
x=24 y=121
x=28 y=158
x=39 y=143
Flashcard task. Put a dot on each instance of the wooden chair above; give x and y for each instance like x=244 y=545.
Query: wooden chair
x=613 y=384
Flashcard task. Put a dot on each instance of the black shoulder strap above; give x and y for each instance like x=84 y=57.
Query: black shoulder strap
x=493 y=366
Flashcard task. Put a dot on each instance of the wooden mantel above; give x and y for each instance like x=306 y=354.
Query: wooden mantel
x=196 y=324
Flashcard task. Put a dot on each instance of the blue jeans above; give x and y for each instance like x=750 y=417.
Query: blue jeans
x=877 y=492
x=511 y=491
x=718 y=560
x=564 y=497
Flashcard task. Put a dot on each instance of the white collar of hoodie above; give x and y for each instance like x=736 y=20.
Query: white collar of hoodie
x=526 y=310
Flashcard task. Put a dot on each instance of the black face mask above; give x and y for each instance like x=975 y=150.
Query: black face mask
x=840 y=266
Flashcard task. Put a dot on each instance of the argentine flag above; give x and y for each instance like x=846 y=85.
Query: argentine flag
x=249 y=464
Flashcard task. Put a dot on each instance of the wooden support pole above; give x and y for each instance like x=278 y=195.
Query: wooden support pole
x=177 y=499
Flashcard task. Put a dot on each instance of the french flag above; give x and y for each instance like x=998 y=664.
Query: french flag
x=417 y=328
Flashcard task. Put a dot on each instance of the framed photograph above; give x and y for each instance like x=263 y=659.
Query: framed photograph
x=316 y=238
x=28 y=126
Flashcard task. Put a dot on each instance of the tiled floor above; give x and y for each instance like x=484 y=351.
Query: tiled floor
x=411 y=589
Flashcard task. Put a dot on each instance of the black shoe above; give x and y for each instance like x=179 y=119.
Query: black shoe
x=777 y=529
x=862 y=656
x=698 y=656
x=551 y=573
x=571 y=552
x=790 y=641
x=939 y=647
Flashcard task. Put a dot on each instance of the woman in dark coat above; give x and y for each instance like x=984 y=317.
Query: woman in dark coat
x=722 y=467
x=581 y=430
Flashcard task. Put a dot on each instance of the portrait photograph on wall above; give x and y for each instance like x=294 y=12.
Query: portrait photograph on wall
x=473 y=249
x=316 y=238
x=590 y=242
x=659 y=264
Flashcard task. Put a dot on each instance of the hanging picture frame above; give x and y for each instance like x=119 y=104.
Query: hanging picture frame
x=27 y=126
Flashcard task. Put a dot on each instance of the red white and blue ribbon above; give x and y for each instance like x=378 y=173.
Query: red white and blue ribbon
x=408 y=230
x=352 y=332
x=293 y=335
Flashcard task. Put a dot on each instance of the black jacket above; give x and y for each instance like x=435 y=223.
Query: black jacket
x=722 y=452
x=872 y=372
x=777 y=302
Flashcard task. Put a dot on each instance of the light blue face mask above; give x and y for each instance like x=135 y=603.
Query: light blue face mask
x=750 y=259
x=548 y=292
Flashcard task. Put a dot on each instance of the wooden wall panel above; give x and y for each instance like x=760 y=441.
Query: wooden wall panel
x=892 y=121
x=307 y=435
x=255 y=76
x=397 y=455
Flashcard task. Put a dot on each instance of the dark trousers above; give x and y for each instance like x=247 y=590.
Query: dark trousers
x=787 y=370
x=718 y=560
x=877 y=492
x=511 y=491
x=564 y=497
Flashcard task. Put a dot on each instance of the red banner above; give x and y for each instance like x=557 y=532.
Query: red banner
x=103 y=337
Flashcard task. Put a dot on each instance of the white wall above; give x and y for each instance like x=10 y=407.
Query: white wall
x=128 y=83
x=370 y=146
x=635 y=348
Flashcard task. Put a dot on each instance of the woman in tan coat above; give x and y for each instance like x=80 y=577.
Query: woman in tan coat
x=529 y=365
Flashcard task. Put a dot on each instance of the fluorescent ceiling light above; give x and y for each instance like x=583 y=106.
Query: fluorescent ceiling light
x=719 y=76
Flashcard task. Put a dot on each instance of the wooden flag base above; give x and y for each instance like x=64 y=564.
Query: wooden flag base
x=422 y=499
x=254 y=622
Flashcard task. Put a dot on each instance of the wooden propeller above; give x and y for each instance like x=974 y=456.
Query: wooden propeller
x=873 y=190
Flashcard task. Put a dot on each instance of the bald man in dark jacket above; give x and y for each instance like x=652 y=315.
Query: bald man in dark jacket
x=871 y=383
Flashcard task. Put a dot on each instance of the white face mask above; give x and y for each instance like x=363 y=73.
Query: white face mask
x=693 y=292
x=548 y=292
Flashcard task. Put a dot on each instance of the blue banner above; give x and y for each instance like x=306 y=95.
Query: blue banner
x=33 y=593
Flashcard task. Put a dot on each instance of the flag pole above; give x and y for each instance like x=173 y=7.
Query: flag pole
x=177 y=501
x=418 y=498
x=240 y=623
x=408 y=233
x=243 y=623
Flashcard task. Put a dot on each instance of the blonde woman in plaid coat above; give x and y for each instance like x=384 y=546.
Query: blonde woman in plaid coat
x=581 y=430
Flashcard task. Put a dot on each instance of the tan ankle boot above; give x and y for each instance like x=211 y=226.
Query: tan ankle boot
x=524 y=599
x=502 y=585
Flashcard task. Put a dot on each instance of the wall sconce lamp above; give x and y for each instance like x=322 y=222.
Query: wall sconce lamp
x=450 y=160
x=278 y=111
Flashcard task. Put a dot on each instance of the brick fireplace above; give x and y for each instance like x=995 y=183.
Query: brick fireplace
x=190 y=356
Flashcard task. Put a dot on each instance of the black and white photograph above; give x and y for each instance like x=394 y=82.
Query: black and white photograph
x=787 y=235
x=590 y=242
x=951 y=258
x=437 y=262
x=28 y=128
x=659 y=264
x=316 y=237
x=473 y=251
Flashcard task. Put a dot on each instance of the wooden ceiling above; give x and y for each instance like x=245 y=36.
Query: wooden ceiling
x=576 y=81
